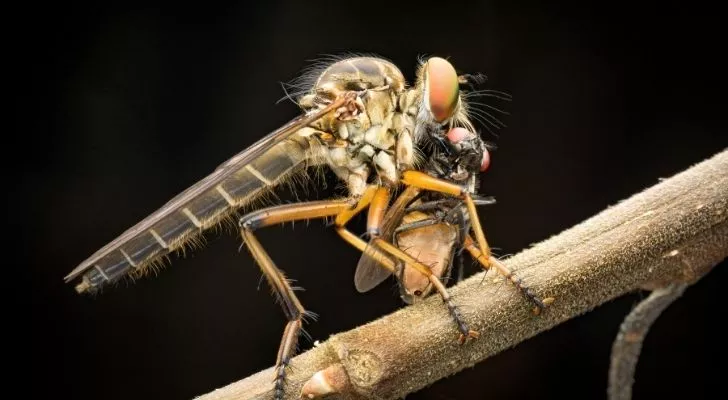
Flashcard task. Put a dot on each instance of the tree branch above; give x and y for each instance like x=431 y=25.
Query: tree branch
x=672 y=232
x=628 y=344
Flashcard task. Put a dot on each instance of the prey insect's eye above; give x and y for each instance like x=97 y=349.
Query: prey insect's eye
x=442 y=88
x=485 y=163
x=457 y=135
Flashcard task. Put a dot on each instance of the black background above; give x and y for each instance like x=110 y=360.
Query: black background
x=124 y=106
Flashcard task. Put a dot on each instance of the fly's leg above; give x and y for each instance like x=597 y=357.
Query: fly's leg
x=345 y=216
x=377 y=209
x=488 y=261
x=427 y=182
x=465 y=331
x=292 y=308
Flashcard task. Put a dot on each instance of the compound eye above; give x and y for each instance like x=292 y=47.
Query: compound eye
x=443 y=88
x=485 y=163
x=457 y=135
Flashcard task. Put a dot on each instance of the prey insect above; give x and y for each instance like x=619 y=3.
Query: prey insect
x=361 y=119
x=434 y=227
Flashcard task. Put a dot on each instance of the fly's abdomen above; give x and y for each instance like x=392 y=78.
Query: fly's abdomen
x=172 y=227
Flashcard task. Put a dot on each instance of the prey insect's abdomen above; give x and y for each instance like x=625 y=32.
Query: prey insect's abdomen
x=137 y=248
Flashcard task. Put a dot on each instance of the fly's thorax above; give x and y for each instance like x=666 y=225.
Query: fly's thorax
x=409 y=101
x=369 y=137
x=357 y=74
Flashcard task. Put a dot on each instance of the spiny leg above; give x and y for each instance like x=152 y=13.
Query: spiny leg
x=427 y=182
x=292 y=308
x=376 y=210
x=488 y=261
x=465 y=331
x=440 y=216
x=345 y=216
x=417 y=224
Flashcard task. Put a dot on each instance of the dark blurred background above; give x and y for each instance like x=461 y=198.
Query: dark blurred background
x=125 y=106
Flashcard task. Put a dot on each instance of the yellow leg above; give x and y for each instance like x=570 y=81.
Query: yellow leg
x=292 y=307
x=484 y=257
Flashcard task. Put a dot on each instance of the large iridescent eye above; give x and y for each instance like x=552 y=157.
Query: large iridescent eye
x=442 y=88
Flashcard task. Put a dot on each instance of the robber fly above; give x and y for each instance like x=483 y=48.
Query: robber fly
x=361 y=119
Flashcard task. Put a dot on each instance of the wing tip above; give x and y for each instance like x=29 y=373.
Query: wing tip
x=363 y=286
x=76 y=272
x=80 y=287
x=360 y=288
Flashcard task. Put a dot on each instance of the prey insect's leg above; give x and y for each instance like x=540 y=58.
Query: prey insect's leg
x=427 y=182
x=430 y=205
x=417 y=224
x=292 y=308
x=438 y=219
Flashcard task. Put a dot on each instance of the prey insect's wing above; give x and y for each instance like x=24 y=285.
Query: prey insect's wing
x=161 y=231
x=369 y=272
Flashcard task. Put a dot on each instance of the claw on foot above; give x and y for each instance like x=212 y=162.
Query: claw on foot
x=471 y=335
x=544 y=303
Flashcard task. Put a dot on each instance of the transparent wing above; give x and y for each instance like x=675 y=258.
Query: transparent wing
x=370 y=272
x=182 y=214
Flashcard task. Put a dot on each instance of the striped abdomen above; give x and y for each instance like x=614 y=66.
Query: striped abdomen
x=178 y=222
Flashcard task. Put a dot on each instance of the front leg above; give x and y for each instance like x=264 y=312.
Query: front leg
x=427 y=182
x=488 y=261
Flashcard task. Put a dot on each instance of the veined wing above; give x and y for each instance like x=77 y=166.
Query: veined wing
x=369 y=272
x=231 y=185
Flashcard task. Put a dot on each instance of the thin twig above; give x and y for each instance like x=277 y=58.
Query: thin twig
x=628 y=344
x=673 y=232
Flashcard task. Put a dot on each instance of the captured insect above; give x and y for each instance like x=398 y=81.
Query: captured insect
x=362 y=120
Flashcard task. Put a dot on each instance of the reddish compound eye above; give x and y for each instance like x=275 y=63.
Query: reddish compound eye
x=486 y=161
x=443 y=88
x=457 y=135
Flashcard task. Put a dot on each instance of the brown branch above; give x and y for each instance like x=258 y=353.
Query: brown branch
x=673 y=232
x=628 y=344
